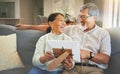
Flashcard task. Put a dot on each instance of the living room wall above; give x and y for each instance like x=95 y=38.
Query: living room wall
x=27 y=11
x=49 y=7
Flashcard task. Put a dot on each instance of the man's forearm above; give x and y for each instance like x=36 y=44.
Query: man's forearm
x=38 y=27
x=100 y=58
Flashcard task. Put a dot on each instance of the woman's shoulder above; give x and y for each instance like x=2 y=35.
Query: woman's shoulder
x=44 y=36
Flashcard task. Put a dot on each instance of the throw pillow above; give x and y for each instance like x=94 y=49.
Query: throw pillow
x=9 y=57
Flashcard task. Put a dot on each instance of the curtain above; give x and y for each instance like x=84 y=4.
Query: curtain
x=111 y=14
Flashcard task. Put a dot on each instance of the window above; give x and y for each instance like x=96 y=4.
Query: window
x=9 y=9
x=111 y=14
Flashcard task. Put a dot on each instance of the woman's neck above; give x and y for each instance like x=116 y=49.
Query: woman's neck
x=56 y=32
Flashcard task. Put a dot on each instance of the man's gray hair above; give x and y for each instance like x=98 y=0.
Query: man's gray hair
x=92 y=9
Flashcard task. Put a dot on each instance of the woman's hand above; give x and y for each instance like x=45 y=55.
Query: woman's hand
x=47 y=57
x=68 y=63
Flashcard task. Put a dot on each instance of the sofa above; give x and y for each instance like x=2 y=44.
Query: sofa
x=26 y=40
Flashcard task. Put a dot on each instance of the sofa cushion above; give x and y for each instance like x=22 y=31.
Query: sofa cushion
x=23 y=70
x=9 y=57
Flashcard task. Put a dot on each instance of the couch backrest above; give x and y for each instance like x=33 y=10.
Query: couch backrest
x=6 y=29
x=115 y=40
x=26 y=44
x=114 y=63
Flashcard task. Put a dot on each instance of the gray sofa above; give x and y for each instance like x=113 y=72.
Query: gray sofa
x=26 y=40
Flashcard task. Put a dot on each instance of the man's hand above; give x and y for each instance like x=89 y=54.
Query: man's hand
x=98 y=57
x=22 y=26
x=85 y=54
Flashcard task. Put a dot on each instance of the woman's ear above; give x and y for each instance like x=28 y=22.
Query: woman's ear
x=50 y=23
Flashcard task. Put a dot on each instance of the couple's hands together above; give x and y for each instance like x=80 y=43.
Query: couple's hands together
x=67 y=63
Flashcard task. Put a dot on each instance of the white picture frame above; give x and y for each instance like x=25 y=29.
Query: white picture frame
x=74 y=45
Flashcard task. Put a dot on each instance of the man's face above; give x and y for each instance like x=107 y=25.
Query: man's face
x=85 y=19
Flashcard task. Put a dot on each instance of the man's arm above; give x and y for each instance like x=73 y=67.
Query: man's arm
x=41 y=27
x=103 y=55
x=98 y=57
x=101 y=58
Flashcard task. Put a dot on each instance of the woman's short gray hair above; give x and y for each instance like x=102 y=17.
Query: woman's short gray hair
x=92 y=9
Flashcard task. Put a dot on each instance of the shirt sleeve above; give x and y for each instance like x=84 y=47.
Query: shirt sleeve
x=39 y=51
x=105 y=44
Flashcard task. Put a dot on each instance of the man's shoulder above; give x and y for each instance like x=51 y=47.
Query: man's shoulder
x=102 y=31
x=71 y=27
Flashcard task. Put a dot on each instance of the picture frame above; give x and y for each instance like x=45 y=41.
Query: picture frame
x=73 y=45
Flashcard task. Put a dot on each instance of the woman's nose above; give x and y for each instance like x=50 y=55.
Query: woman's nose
x=64 y=23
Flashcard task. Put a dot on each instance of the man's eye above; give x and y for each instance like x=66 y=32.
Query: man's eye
x=84 y=17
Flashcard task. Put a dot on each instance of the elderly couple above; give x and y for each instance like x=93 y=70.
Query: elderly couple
x=95 y=46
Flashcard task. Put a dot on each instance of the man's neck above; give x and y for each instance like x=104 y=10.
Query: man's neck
x=90 y=28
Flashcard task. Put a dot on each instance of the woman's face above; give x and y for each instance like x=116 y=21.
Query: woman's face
x=58 y=24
